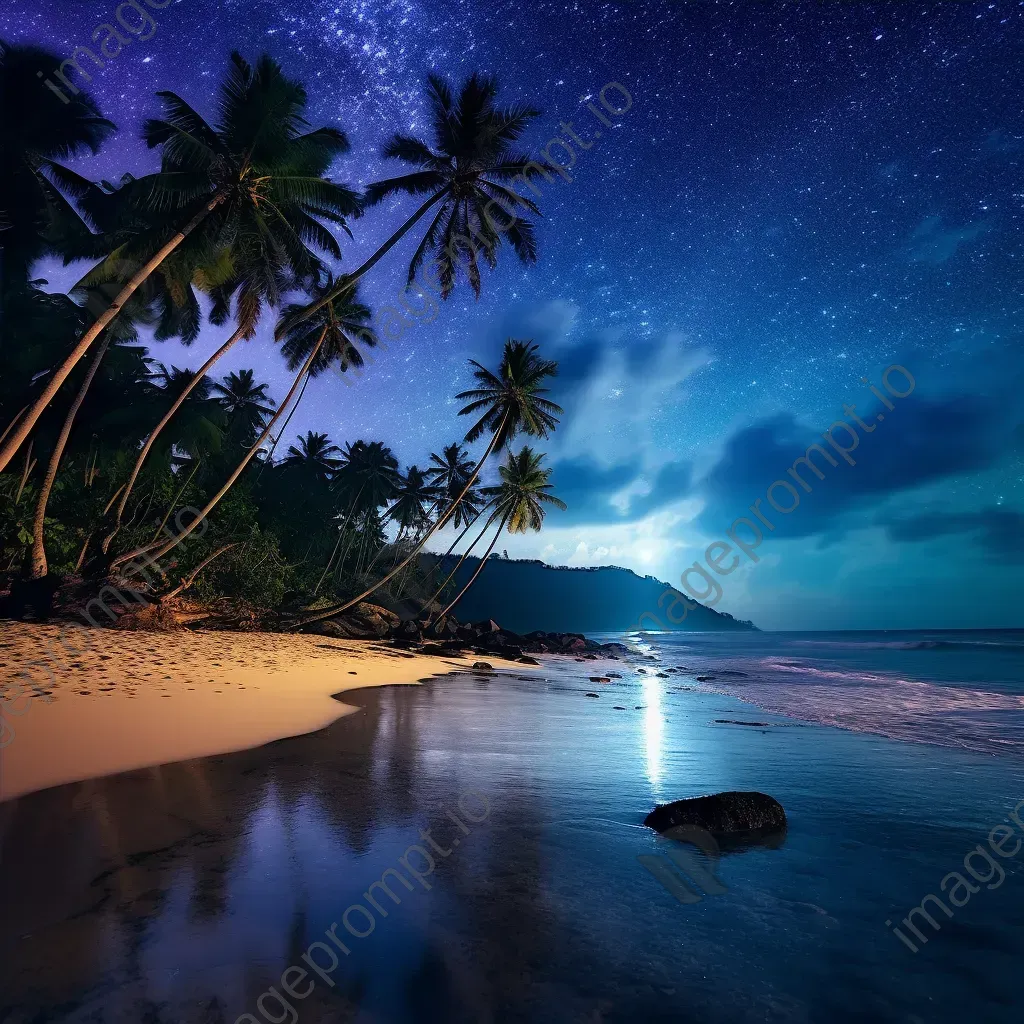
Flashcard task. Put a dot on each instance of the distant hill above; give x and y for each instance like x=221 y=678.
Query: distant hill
x=526 y=594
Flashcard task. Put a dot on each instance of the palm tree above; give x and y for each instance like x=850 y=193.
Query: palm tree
x=255 y=179
x=367 y=478
x=521 y=497
x=200 y=429
x=415 y=496
x=449 y=472
x=38 y=129
x=368 y=475
x=467 y=171
x=351 y=318
x=279 y=213
x=332 y=320
x=510 y=402
x=246 y=403
x=314 y=457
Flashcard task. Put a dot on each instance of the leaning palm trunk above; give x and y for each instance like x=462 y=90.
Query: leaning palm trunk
x=12 y=424
x=169 y=545
x=39 y=566
x=168 y=416
x=330 y=612
x=26 y=471
x=341 y=533
x=21 y=432
x=269 y=460
x=348 y=280
x=174 y=502
x=472 y=579
x=451 y=547
x=458 y=565
x=191 y=578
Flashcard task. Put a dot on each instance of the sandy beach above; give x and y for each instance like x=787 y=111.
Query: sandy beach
x=130 y=700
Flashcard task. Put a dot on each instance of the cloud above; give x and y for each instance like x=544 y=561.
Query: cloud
x=998 y=531
x=922 y=441
x=612 y=388
x=619 y=493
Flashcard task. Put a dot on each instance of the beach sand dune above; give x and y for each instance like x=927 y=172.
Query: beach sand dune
x=108 y=701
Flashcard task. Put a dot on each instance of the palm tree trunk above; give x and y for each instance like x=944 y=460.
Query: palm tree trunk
x=472 y=579
x=10 y=426
x=174 y=501
x=186 y=583
x=39 y=567
x=273 y=448
x=113 y=498
x=458 y=565
x=330 y=561
x=169 y=545
x=350 y=279
x=18 y=436
x=155 y=433
x=80 y=561
x=328 y=613
x=341 y=532
x=30 y=464
x=454 y=543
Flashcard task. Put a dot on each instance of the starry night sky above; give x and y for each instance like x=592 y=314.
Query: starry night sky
x=801 y=195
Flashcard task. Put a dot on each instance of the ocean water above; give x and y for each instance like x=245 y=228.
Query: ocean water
x=962 y=688
x=183 y=893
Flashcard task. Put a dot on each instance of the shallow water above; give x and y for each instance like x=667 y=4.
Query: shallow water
x=962 y=688
x=182 y=893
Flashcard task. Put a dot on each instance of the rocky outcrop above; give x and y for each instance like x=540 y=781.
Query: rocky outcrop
x=722 y=814
x=449 y=636
x=365 y=621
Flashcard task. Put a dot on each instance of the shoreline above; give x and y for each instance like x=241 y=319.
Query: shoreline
x=138 y=699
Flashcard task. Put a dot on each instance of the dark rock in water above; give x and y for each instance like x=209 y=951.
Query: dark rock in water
x=483 y=665
x=618 y=707
x=704 y=679
x=721 y=814
x=600 y=679
x=591 y=695
x=525 y=659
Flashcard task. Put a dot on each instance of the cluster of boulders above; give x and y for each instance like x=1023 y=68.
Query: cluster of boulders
x=447 y=635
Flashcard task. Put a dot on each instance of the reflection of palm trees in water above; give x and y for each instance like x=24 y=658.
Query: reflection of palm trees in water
x=97 y=866
x=88 y=868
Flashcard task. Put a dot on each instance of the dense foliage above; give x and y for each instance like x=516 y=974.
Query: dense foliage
x=103 y=445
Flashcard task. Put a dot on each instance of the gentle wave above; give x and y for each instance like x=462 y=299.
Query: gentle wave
x=886 y=705
x=917 y=645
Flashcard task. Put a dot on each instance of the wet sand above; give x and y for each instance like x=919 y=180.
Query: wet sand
x=108 y=701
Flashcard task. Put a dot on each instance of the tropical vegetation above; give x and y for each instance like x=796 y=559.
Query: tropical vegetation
x=103 y=444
